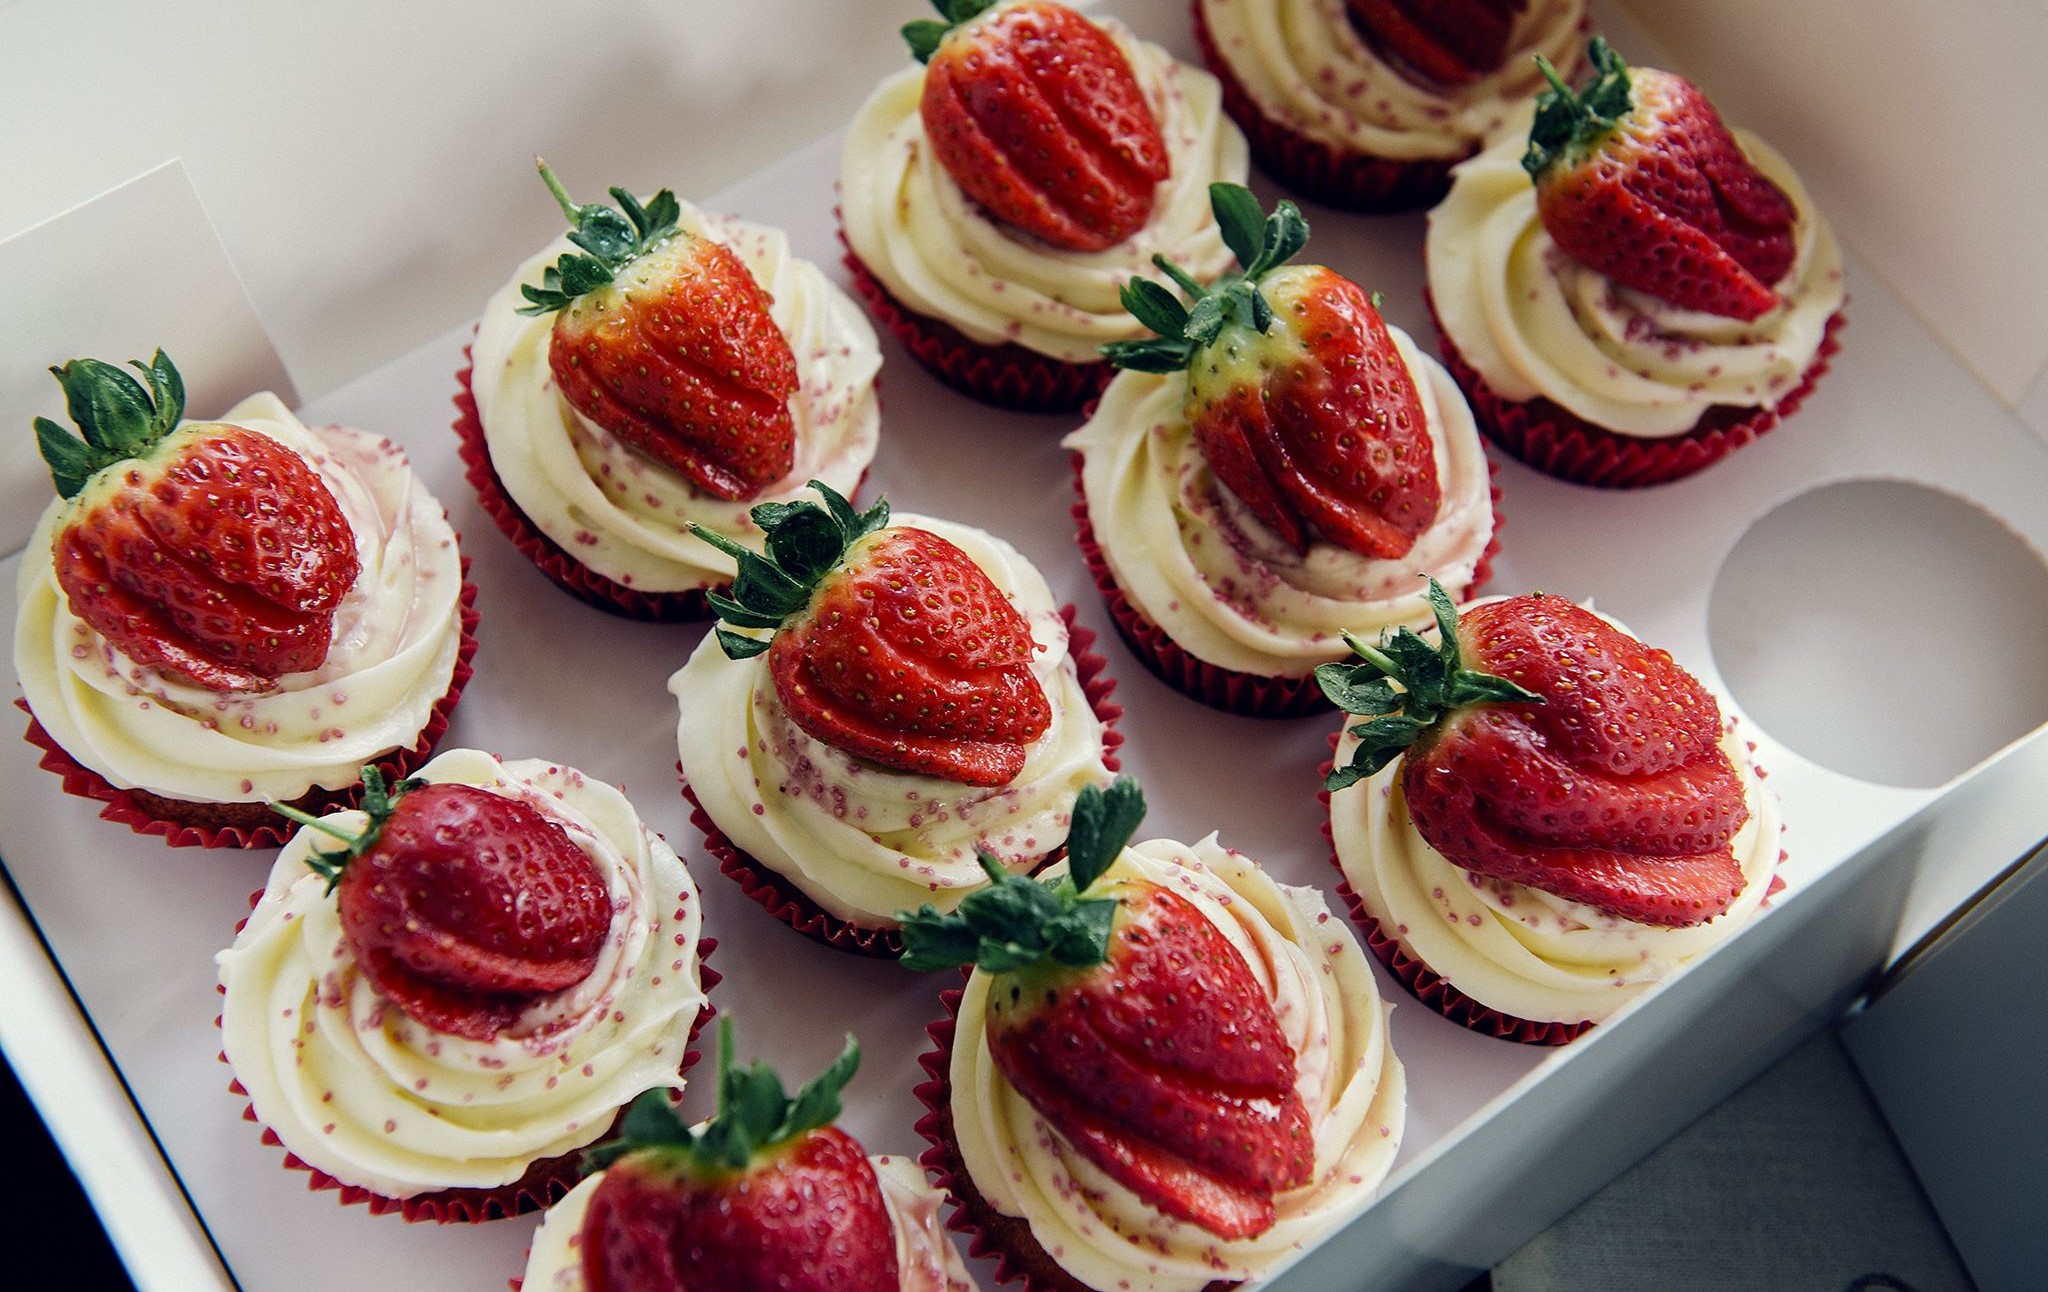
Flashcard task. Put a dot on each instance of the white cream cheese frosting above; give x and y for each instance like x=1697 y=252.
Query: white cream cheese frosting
x=617 y=511
x=396 y=636
x=358 y=1089
x=861 y=840
x=939 y=255
x=1533 y=322
x=925 y=1260
x=1197 y=563
x=1349 y=1079
x=1306 y=68
x=1516 y=949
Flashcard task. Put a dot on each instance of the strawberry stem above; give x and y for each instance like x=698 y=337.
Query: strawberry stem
x=1406 y=686
x=804 y=543
x=1566 y=121
x=1017 y=923
x=378 y=804
x=610 y=239
x=754 y=1115
x=117 y=417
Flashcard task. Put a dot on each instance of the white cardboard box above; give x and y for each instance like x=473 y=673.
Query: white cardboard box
x=370 y=178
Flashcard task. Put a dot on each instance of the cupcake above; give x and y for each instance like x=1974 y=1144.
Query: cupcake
x=1368 y=104
x=1243 y=503
x=1546 y=820
x=655 y=368
x=215 y=616
x=439 y=999
x=768 y=1193
x=921 y=702
x=1663 y=293
x=991 y=234
x=1166 y=1072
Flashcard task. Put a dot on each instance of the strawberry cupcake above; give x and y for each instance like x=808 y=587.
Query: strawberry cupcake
x=215 y=616
x=921 y=702
x=1244 y=503
x=1553 y=819
x=990 y=233
x=1367 y=104
x=1664 y=292
x=410 y=1042
x=653 y=369
x=768 y=1193
x=1128 y=997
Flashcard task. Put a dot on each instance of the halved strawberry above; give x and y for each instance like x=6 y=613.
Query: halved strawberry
x=1449 y=42
x=462 y=905
x=767 y=1195
x=1570 y=757
x=1133 y=1026
x=1637 y=179
x=1296 y=392
x=207 y=550
x=1037 y=116
x=893 y=645
x=664 y=339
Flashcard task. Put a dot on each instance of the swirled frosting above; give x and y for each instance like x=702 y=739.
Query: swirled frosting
x=1306 y=68
x=1516 y=949
x=1534 y=322
x=863 y=841
x=617 y=511
x=925 y=1261
x=1197 y=563
x=396 y=635
x=941 y=256
x=1349 y=1079
x=357 y=1088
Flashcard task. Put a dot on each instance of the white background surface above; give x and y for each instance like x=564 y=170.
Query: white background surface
x=373 y=196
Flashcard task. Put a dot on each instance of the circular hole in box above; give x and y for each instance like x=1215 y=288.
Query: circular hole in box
x=1885 y=630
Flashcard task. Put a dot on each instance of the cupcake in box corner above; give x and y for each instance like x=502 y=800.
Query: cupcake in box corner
x=1662 y=293
x=655 y=368
x=1165 y=1073
x=214 y=616
x=1246 y=499
x=991 y=232
x=888 y=699
x=438 y=1000
x=766 y=1194
x=1545 y=820
x=1367 y=104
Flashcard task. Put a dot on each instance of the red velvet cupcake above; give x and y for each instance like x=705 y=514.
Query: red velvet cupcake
x=594 y=448
x=1369 y=106
x=922 y=700
x=996 y=264
x=430 y=1059
x=1623 y=369
x=348 y=643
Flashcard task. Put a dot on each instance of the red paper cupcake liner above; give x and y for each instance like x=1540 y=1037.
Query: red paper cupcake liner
x=1431 y=987
x=571 y=575
x=786 y=902
x=1251 y=695
x=1562 y=444
x=185 y=824
x=1007 y=376
x=1339 y=177
x=991 y=1235
x=545 y=1183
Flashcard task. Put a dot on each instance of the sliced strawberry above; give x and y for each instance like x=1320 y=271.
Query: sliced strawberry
x=664 y=339
x=1296 y=391
x=462 y=905
x=1036 y=114
x=1637 y=178
x=1568 y=757
x=1446 y=42
x=892 y=645
x=206 y=550
x=1134 y=1027
x=767 y=1195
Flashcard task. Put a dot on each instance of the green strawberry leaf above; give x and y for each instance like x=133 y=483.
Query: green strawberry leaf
x=1156 y=354
x=739 y=645
x=1102 y=825
x=923 y=36
x=1154 y=306
x=1240 y=219
x=72 y=462
x=1568 y=122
